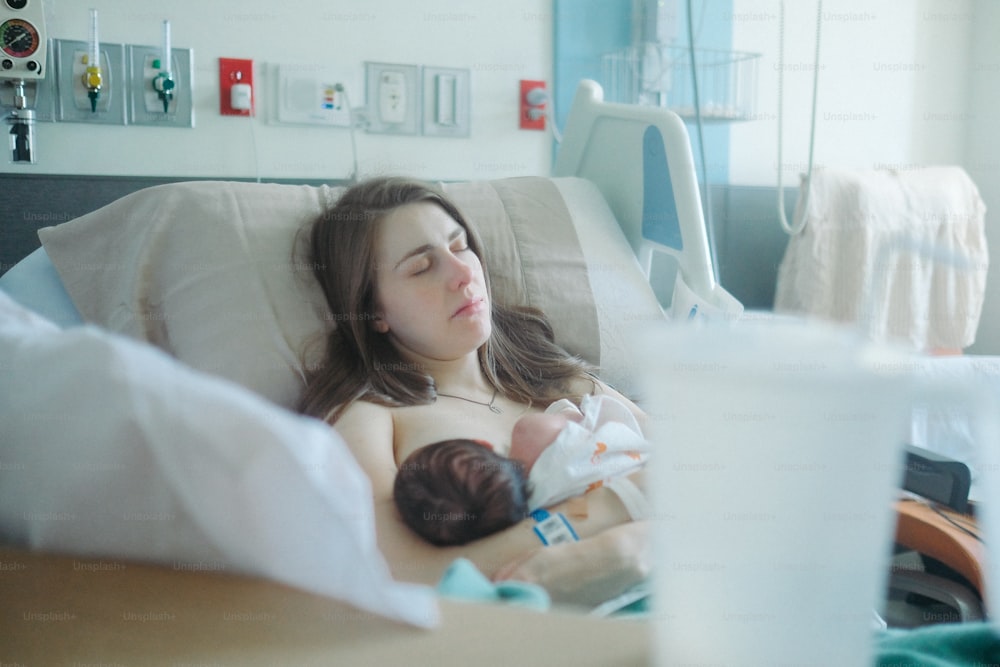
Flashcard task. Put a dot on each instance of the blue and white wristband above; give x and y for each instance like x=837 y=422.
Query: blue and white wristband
x=553 y=528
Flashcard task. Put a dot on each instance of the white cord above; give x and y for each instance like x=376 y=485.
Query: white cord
x=709 y=225
x=354 y=143
x=551 y=113
x=253 y=133
x=799 y=224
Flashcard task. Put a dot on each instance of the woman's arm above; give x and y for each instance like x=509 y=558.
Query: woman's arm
x=588 y=572
x=368 y=431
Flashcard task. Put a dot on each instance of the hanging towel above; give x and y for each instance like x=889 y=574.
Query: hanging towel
x=851 y=262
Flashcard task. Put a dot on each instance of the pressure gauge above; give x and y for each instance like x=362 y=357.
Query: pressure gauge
x=18 y=38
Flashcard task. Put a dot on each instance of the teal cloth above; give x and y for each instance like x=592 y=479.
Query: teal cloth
x=943 y=645
x=463 y=581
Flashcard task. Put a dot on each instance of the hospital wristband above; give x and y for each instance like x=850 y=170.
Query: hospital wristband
x=553 y=528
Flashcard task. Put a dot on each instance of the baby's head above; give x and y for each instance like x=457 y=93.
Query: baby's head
x=532 y=434
x=456 y=491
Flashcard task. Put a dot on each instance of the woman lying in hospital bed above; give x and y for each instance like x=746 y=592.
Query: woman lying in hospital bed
x=431 y=357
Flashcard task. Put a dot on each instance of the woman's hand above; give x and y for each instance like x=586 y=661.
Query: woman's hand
x=588 y=572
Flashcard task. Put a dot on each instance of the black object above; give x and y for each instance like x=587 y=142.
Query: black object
x=937 y=478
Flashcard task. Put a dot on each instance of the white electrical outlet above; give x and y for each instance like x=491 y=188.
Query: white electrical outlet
x=394 y=98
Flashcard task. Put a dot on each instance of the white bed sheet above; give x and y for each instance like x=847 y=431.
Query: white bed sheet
x=950 y=430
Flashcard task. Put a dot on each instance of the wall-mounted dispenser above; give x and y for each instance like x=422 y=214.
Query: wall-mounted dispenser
x=23 y=56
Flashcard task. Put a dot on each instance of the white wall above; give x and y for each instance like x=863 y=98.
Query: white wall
x=499 y=42
x=982 y=149
x=893 y=85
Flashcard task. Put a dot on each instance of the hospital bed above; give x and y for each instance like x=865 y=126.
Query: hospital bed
x=199 y=501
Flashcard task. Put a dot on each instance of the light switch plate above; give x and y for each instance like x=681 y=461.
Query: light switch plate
x=393 y=95
x=446 y=102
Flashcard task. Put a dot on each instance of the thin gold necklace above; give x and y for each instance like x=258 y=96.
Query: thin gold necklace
x=491 y=405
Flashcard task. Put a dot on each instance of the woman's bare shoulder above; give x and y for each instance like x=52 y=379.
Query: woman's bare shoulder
x=368 y=430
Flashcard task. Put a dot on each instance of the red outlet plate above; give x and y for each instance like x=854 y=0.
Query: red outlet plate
x=527 y=122
x=231 y=72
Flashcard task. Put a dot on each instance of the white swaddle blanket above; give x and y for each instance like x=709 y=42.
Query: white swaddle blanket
x=606 y=444
x=858 y=226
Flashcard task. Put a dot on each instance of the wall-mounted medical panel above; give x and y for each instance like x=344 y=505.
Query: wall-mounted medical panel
x=149 y=106
x=393 y=95
x=307 y=95
x=74 y=101
x=40 y=94
x=446 y=102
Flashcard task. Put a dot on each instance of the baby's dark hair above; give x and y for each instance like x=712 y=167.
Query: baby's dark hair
x=456 y=491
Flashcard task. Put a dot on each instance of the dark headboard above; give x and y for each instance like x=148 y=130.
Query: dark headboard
x=29 y=202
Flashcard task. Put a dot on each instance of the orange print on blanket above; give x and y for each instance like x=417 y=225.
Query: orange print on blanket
x=598 y=450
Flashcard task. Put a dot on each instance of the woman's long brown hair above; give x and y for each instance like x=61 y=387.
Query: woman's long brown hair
x=520 y=359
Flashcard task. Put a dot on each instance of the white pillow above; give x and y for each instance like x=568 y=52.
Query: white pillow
x=205 y=271
x=111 y=448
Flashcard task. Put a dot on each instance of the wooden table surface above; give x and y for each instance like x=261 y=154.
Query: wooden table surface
x=62 y=610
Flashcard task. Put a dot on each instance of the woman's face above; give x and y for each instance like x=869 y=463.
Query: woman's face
x=430 y=290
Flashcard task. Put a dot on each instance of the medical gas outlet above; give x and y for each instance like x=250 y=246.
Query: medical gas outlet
x=92 y=78
x=160 y=84
x=163 y=82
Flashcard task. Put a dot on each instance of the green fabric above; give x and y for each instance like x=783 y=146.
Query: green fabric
x=942 y=645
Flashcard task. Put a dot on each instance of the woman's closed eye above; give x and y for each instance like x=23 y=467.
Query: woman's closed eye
x=421 y=266
x=424 y=263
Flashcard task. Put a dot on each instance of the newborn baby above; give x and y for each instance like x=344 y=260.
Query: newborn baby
x=456 y=491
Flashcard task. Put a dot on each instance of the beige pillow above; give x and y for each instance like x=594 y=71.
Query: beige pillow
x=206 y=270
x=203 y=270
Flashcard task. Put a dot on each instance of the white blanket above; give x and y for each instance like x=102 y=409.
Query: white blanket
x=858 y=226
x=111 y=449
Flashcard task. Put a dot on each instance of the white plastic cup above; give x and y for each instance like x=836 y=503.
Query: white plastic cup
x=777 y=455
